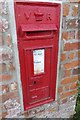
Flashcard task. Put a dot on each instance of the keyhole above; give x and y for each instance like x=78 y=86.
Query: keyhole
x=34 y=82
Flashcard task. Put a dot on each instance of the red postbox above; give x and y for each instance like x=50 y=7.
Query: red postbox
x=37 y=26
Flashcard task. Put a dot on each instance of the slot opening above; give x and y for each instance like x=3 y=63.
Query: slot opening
x=39 y=34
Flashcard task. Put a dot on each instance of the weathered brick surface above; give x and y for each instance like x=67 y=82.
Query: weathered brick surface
x=69 y=93
x=71 y=46
x=75 y=10
x=71 y=35
x=5 y=88
x=69 y=80
x=77 y=54
x=71 y=56
x=60 y=89
x=66 y=87
x=5 y=77
x=74 y=85
x=65 y=35
x=8 y=78
x=64 y=101
x=63 y=57
x=0 y=108
x=11 y=67
x=10 y=95
x=2 y=67
x=66 y=8
x=9 y=43
x=76 y=71
x=4 y=114
x=71 y=64
x=67 y=73
x=72 y=23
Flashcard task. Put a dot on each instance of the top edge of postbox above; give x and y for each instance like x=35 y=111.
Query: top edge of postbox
x=24 y=2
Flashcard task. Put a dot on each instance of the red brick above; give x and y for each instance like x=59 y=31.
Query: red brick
x=71 y=46
x=79 y=63
x=72 y=24
x=2 y=67
x=5 y=77
x=71 y=56
x=76 y=71
x=67 y=94
x=26 y=114
x=66 y=8
x=60 y=89
x=69 y=80
x=10 y=95
x=64 y=100
x=77 y=54
x=74 y=85
x=5 y=57
x=77 y=36
x=63 y=57
x=1 y=107
x=11 y=67
x=9 y=40
x=71 y=64
x=5 y=88
x=71 y=35
x=67 y=73
x=4 y=114
x=67 y=87
x=0 y=116
x=75 y=11
x=65 y=35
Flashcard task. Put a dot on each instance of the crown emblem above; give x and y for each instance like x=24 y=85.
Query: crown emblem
x=38 y=15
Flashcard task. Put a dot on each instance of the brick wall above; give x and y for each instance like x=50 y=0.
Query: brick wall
x=69 y=64
x=8 y=78
x=68 y=69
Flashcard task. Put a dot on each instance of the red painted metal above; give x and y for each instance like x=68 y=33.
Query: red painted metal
x=37 y=25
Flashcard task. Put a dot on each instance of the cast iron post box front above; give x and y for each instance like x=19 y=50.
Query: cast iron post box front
x=37 y=26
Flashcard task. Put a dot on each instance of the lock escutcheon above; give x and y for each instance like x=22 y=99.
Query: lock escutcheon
x=34 y=82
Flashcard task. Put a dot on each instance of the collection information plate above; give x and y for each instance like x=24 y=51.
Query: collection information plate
x=38 y=58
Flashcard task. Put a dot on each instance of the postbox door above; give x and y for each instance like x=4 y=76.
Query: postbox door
x=39 y=74
x=37 y=71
